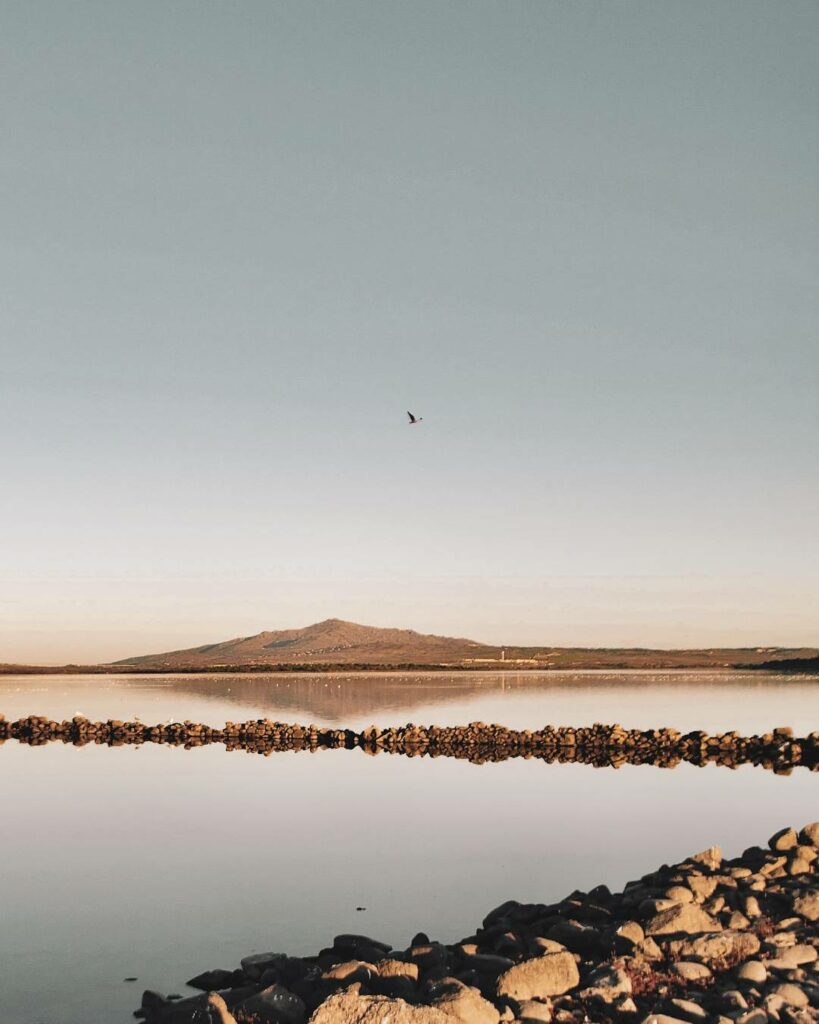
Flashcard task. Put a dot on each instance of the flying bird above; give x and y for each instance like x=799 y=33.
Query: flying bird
x=413 y=419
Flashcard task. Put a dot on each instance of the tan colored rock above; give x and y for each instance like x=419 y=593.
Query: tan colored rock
x=679 y=894
x=753 y=972
x=791 y=994
x=702 y=886
x=349 y=1008
x=535 y=1012
x=810 y=834
x=710 y=858
x=219 y=1013
x=689 y=970
x=631 y=931
x=606 y=984
x=468 y=1006
x=350 y=970
x=682 y=919
x=807 y=905
x=784 y=839
x=397 y=969
x=717 y=946
x=539 y=945
x=543 y=976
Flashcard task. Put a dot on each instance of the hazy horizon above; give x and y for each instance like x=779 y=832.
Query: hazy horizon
x=240 y=241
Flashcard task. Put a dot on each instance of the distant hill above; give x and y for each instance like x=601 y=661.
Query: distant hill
x=332 y=641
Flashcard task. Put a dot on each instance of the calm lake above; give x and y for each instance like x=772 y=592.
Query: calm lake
x=158 y=862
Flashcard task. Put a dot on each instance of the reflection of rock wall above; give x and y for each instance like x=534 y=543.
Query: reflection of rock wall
x=601 y=745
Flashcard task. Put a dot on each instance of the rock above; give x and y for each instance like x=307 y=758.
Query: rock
x=755 y=1016
x=543 y=976
x=682 y=919
x=752 y=971
x=791 y=994
x=218 y=1011
x=607 y=984
x=688 y=1010
x=632 y=932
x=738 y=921
x=468 y=1006
x=784 y=839
x=702 y=886
x=397 y=969
x=733 y=1000
x=710 y=858
x=788 y=959
x=717 y=946
x=576 y=937
x=210 y=981
x=534 y=1012
x=751 y=907
x=273 y=1005
x=360 y=947
x=351 y=971
x=650 y=950
x=810 y=834
x=807 y=905
x=679 y=894
x=539 y=945
x=688 y=970
x=350 y=1008
x=255 y=965
x=663 y=1018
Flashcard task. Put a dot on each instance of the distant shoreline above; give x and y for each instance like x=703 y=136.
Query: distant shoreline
x=572 y=660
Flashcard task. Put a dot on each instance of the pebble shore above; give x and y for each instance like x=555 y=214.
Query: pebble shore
x=706 y=941
x=599 y=744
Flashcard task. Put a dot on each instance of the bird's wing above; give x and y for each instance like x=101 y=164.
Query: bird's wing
x=411 y=417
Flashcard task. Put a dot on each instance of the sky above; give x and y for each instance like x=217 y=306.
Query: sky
x=240 y=240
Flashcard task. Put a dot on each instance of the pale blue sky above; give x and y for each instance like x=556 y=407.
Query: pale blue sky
x=240 y=239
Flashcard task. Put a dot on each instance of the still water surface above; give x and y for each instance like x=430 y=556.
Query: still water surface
x=161 y=862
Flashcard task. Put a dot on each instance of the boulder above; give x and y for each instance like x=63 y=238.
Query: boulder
x=218 y=1011
x=807 y=905
x=753 y=972
x=273 y=1005
x=210 y=981
x=717 y=946
x=534 y=1012
x=256 y=964
x=468 y=1006
x=791 y=994
x=350 y=1008
x=784 y=839
x=689 y=970
x=606 y=984
x=810 y=834
x=541 y=977
x=710 y=858
x=682 y=919
x=687 y=1009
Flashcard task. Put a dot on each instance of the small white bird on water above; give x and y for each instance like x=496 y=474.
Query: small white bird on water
x=413 y=419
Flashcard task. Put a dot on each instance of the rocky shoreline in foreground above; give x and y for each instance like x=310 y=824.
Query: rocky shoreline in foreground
x=601 y=745
x=706 y=941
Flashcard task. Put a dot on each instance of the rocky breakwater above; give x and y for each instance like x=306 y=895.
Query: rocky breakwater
x=706 y=941
x=600 y=744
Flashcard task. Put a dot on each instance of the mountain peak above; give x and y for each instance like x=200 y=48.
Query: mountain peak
x=331 y=641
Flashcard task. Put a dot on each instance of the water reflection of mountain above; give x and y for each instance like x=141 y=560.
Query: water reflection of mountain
x=343 y=698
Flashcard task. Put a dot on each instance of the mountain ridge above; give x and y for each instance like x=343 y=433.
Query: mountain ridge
x=331 y=640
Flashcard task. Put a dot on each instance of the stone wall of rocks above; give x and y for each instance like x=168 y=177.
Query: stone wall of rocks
x=706 y=941
x=603 y=745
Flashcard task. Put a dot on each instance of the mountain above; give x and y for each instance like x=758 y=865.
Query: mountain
x=330 y=642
